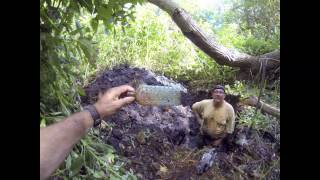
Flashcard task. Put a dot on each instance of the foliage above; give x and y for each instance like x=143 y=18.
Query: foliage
x=257 y=120
x=249 y=116
x=153 y=41
x=247 y=89
x=259 y=22
x=260 y=17
x=67 y=49
x=94 y=159
x=245 y=42
x=237 y=88
x=67 y=54
x=251 y=26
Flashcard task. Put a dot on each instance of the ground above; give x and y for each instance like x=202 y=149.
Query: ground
x=160 y=142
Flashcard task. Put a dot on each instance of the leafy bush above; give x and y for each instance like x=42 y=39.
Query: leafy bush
x=66 y=46
x=67 y=56
x=94 y=159
x=257 y=120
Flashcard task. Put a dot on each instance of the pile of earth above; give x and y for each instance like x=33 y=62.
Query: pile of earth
x=160 y=142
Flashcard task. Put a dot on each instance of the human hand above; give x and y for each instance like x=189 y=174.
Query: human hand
x=229 y=138
x=110 y=102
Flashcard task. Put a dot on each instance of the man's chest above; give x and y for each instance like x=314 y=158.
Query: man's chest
x=218 y=115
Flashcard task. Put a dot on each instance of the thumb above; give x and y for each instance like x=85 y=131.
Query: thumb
x=125 y=101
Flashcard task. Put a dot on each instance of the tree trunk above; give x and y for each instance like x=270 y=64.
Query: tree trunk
x=219 y=53
x=266 y=108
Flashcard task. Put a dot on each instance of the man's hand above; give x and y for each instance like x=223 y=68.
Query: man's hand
x=57 y=140
x=109 y=102
x=229 y=139
x=199 y=120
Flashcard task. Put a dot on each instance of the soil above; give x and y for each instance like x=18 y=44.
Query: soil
x=161 y=142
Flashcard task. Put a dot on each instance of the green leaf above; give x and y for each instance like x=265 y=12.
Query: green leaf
x=108 y=25
x=90 y=160
x=76 y=165
x=68 y=162
x=87 y=4
x=81 y=91
x=102 y=148
x=55 y=113
x=105 y=12
x=109 y=157
x=74 y=32
x=74 y=6
x=86 y=48
x=99 y=174
x=94 y=25
x=43 y=122
x=131 y=177
x=112 y=177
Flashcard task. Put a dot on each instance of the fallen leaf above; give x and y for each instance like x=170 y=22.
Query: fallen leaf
x=163 y=169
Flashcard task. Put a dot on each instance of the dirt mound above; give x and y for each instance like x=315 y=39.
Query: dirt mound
x=159 y=142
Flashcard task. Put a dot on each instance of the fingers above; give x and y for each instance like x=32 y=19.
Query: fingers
x=116 y=91
x=125 y=101
x=100 y=95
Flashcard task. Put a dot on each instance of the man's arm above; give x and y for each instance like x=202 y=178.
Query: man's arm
x=57 y=140
x=196 y=108
x=230 y=121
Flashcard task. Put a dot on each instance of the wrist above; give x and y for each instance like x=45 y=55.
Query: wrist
x=229 y=136
x=88 y=120
x=94 y=114
x=81 y=121
x=99 y=109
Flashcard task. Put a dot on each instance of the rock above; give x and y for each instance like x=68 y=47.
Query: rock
x=241 y=140
x=206 y=161
x=128 y=151
x=126 y=140
x=139 y=176
x=117 y=133
x=103 y=125
x=145 y=168
x=177 y=136
x=122 y=146
x=155 y=166
x=268 y=136
x=141 y=137
x=114 y=142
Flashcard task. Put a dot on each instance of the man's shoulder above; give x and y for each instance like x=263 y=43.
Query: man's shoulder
x=203 y=102
x=228 y=105
x=206 y=101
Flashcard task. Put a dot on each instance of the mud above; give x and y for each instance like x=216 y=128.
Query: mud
x=161 y=143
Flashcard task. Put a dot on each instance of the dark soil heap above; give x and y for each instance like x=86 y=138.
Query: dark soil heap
x=159 y=142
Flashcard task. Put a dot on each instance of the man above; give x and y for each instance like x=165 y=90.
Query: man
x=57 y=140
x=215 y=116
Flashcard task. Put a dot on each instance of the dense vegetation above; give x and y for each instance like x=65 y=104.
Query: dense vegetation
x=80 y=39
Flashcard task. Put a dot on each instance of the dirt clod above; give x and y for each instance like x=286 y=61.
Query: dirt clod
x=161 y=142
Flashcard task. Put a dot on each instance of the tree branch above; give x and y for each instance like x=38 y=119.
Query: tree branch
x=211 y=47
x=253 y=101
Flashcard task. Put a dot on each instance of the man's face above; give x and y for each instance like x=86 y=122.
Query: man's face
x=218 y=95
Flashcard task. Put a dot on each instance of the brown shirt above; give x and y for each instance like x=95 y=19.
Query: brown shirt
x=216 y=121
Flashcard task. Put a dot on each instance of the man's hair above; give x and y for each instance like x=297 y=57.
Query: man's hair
x=218 y=87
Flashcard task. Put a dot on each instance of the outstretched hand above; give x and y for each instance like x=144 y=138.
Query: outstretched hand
x=110 y=102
